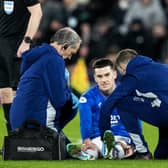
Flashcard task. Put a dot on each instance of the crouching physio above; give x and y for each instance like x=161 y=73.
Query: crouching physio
x=43 y=80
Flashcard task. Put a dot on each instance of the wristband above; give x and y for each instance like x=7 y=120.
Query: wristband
x=27 y=39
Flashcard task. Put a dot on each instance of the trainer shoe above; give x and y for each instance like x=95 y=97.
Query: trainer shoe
x=76 y=152
x=109 y=142
x=143 y=156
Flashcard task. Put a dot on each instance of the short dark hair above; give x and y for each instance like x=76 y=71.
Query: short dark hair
x=124 y=56
x=102 y=62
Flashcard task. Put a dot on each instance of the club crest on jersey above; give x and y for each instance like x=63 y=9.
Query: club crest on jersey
x=82 y=100
x=8 y=7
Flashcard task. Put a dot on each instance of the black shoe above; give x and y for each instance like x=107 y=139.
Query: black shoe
x=141 y=156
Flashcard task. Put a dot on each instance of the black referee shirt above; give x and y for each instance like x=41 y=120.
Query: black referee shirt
x=14 y=17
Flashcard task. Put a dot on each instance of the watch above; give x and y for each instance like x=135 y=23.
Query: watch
x=27 y=39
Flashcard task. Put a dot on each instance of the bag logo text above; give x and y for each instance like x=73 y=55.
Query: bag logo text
x=30 y=149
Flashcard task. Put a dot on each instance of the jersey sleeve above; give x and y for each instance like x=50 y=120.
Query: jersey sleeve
x=85 y=110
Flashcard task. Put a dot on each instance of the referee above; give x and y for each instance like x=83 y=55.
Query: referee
x=19 y=21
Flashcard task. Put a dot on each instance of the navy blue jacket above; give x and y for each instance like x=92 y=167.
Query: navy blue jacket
x=42 y=80
x=143 y=77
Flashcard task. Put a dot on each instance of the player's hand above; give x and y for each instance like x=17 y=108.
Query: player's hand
x=129 y=151
x=87 y=145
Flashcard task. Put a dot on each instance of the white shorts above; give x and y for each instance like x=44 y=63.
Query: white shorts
x=125 y=140
x=100 y=145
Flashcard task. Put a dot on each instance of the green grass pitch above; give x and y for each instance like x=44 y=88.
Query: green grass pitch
x=72 y=131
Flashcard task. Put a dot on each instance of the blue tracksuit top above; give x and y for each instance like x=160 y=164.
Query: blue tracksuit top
x=89 y=108
x=42 y=80
x=143 y=75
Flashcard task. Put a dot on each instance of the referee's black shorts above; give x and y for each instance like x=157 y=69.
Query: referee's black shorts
x=9 y=64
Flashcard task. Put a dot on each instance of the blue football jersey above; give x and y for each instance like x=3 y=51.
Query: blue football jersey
x=89 y=107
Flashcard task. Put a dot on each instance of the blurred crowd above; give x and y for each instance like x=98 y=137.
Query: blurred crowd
x=105 y=28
